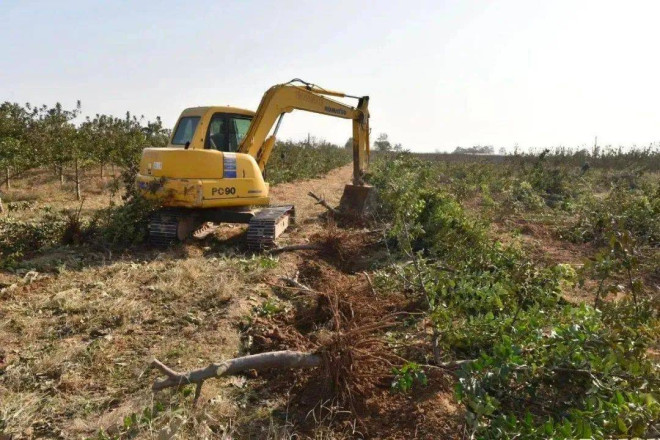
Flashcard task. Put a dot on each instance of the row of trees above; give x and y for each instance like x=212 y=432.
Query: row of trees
x=478 y=149
x=53 y=137
x=381 y=144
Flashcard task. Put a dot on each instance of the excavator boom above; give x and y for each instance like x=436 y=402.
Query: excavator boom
x=284 y=98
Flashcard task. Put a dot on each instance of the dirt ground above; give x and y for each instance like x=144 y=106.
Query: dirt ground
x=79 y=327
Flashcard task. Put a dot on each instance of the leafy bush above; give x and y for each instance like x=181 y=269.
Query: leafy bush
x=562 y=374
x=18 y=238
x=637 y=211
x=291 y=161
x=406 y=377
x=533 y=366
x=522 y=195
x=124 y=224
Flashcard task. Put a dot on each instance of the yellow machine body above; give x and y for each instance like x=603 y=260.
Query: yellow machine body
x=195 y=177
x=212 y=169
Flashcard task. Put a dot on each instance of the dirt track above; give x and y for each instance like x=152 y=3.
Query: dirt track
x=329 y=187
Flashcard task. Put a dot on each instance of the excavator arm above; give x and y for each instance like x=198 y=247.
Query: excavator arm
x=285 y=98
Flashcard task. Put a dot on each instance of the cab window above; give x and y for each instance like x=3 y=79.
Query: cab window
x=240 y=127
x=185 y=130
x=216 y=138
x=226 y=132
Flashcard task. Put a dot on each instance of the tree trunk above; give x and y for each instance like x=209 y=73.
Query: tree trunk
x=7 y=177
x=258 y=362
x=113 y=170
x=77 y=171
x=101 y=170
x=61 y=169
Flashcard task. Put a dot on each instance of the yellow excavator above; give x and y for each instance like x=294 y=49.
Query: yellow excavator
x=213 y=168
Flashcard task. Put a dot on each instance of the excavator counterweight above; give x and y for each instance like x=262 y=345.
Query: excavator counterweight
x=212 y=169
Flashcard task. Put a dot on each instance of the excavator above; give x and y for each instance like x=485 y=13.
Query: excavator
x=212 y=171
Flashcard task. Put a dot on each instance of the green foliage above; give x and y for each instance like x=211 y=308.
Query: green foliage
x=258 y=262
x=116 y=225
x=48 y=137
x=268 y=308
x=566 y=373
x=536 y=367
x=525 y=197
x=291 y=161
x=599 y=158
x=407 y=376
x=123 y=224
x=19 y=238
x=624 y=209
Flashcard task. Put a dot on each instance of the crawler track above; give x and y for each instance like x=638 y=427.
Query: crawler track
x=267 y=225
x=163 y=227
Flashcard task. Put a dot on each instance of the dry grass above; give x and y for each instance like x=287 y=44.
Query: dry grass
x=41 y=188
x=76 y=345
x=79 y=332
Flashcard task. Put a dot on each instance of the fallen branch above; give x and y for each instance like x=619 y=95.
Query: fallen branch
x=322 y=202
x=297 y=284
x=259 y=362
x=455 y=364
x=295 y=247
x=371 y=285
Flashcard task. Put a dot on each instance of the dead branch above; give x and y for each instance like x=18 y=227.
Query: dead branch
x=322 y=202
x=297 y=284
x=295 y=247
x=371 y=285
x=259 y=362
x=455 y=364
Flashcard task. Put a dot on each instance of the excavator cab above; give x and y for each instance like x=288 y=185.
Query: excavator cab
x=225 y=131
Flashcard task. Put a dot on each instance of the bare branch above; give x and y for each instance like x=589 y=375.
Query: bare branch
x=322 y=202
x=297 y=284
x=371 y=286
x=295 y=247
x=259 y=362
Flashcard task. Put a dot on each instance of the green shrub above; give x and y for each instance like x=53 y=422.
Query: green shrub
x=19 y=238
x=623 y=209
x=123 y=224
x=406 y=377
x=291 y=161
x=534 y=367
x=522 y=195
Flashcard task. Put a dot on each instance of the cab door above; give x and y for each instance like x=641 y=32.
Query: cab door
x=226 y=131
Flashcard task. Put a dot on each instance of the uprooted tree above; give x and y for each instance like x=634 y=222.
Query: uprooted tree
x=342 y=354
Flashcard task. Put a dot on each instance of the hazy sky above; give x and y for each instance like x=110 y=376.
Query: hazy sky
x=440 y=73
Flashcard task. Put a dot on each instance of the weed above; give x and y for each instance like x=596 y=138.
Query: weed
x=408 y=376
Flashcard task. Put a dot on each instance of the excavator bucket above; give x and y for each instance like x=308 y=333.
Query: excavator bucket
x=358 y=201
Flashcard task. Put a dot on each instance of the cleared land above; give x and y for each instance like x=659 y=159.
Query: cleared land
x=447 y=285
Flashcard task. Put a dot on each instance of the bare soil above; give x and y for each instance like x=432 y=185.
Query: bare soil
x=79 y=330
